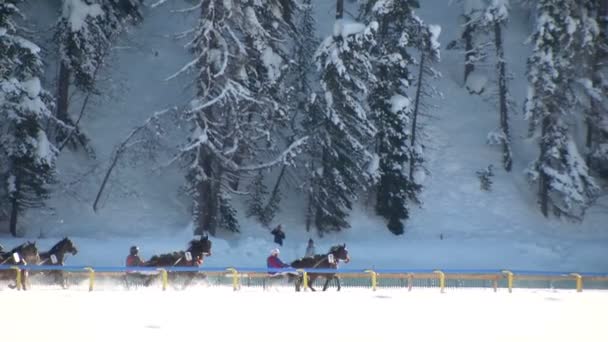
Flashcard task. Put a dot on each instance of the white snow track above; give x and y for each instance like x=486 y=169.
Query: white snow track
x=219 y=314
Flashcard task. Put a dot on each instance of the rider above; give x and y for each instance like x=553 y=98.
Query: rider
x=273 y=260
x=133 y=260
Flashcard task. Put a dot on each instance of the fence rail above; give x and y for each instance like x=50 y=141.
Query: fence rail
x=237 y=277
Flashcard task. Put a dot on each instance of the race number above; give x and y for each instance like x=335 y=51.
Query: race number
x=331 y=259
x=188 y=256
x=53 y=259
x=16 y=257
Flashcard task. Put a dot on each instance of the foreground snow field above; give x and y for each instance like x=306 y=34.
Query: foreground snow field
x=219 y=314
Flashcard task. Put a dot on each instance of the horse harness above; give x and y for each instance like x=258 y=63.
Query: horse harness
x=334 y=262
x=192 y=262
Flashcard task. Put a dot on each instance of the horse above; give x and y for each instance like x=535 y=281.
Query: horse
x=56 y=257
x=26 y=253
x=193 y=256
x=329 y=260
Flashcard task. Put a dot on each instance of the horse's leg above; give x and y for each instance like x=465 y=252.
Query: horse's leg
x=189 y=279
x=24 y=280
x=311 y=279
x=64 y=280
x=338 y=281
x=327 y=279
x=298 y=284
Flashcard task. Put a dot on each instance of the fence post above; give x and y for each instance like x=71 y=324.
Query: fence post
x=410 y=281
x=235 y=278
x=91 y=278
x=164 y=278
x=374 y=278
x=579 y=281
x=18 y=277
x=509 y=280
x=304 y=279
x=441 y=280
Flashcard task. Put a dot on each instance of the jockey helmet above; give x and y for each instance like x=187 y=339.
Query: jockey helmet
x=134 y=250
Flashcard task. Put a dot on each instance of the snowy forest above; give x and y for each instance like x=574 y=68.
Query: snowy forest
x=222 y=114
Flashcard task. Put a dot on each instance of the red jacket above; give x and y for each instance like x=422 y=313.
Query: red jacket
x=134 y=261
x=273 y=261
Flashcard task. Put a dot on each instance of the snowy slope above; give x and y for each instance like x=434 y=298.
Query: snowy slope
x=498 y=229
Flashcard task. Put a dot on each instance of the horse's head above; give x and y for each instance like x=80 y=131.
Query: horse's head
x=200 y=248
x=28 y=251
x=67 y=246
x=340 y=253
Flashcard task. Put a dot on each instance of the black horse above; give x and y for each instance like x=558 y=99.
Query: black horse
x=329 y=260
x=25 y=253
x=56 y=257
x=193 y=256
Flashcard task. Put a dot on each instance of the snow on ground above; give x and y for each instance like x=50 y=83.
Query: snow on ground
x=219 y=314
x=458 y=226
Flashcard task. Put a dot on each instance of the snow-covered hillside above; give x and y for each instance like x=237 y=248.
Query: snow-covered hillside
x=457 y=226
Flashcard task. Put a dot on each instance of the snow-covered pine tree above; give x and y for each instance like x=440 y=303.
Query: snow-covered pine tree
x=258 y=193
x=472 y=11
x=426 y=41
x=25 y=109
x=239 y=57
x=494 y=19
x=84 y=34
x=391 y=107
x=344 y=131
x=307 y=111
x=294 y=93
x=593 y=41
x=564 y=184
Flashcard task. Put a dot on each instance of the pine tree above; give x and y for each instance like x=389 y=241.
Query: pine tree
x=494 y=19
x=391 y=107
x=593 y=41
x=258 y=191
x=565 y=186
x=342 y=134
x=227 y=212
x=307 y=107
x=472 y=13
x=25 y=108
x=239 y=59
x=427 y=44
x=84 y=34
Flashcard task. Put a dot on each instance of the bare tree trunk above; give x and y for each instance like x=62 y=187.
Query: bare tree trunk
x=207 y=195
x=275 y=189
x=120 y=150
x=469 y=54
x=15 y=207
x=502 y=96
x=543 y=181
x=63 y=92
x=415 y=117
x=339 y=9
x=310 y=209
x=107 y=176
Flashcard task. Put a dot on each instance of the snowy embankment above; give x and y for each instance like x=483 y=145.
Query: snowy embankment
x=369 y=247
x=351 y=315
x=458 y=226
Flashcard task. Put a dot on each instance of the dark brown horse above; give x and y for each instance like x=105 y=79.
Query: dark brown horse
x=324 y=261
x=26 y=253
x=193 y=256
x=56 y=257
